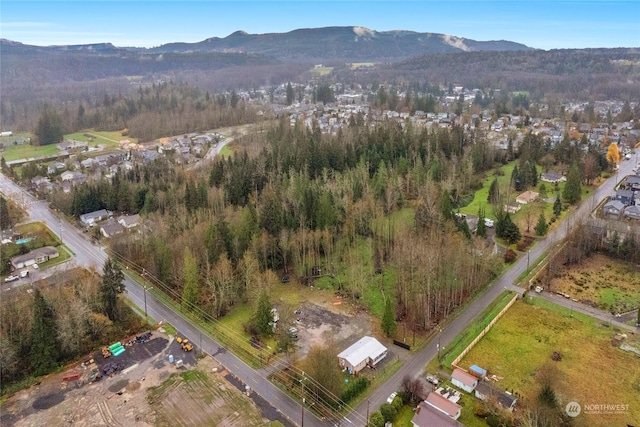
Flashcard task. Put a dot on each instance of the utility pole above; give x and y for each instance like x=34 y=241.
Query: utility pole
x=302 y=415
x=368 y=404
x=145 y=288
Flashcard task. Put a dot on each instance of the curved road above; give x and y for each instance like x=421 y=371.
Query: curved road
x=93 y=256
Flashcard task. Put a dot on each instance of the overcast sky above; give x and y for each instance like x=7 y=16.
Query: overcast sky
x=538 y=24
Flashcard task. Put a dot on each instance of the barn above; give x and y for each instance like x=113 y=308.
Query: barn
x=367 y=351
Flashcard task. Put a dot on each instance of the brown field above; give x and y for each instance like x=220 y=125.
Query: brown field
x=592 y=371
x=603 y=282
x=198 y=398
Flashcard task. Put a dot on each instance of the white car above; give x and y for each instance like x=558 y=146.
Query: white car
x=392 y=396
x=24 y=273
x=11 y=278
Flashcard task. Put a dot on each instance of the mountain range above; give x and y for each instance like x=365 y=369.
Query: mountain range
x=351 y=44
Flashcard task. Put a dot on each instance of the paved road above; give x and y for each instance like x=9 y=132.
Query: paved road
x=589 y=311
x=416 y=364
x=92 y=256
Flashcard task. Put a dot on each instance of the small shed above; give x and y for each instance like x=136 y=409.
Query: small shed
x=477 y=371
x=367 y=351
x=464 y=380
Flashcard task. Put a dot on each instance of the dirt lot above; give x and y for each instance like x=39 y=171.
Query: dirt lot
x=320 y=323
x=120 y=399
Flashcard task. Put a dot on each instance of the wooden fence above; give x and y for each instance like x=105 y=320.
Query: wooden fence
x=454 y=364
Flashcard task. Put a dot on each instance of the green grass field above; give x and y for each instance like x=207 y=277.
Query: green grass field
x=108 y=139
x=470 y=333
x=25 y=151
x=226 y=151
x=591 y=371
x=611 y=284
x=520 y=217
x=356 y=65
x=322 y=71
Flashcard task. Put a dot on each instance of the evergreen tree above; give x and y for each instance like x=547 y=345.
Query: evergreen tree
x=264 y=317
x=517 y=180
x=511 y=231
x=557 y=206
x=494 y=192
x=190 y=274
x=446 y=207
x=290 y=94
x=49 y=129
x=111 y=286
x=464 y=228
x=481 y=228
x=5 y=219
x=44 y=352
x=572 y=187
x=541 y=227
x=388 y=319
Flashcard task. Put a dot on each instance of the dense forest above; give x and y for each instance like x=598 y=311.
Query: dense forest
x=43 y=330
x=349 y=207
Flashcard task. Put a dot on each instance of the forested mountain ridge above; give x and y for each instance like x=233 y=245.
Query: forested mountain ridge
x=341 y=43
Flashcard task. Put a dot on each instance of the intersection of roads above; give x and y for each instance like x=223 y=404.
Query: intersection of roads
x=89 y=255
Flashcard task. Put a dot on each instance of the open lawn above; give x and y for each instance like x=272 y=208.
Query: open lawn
x=610 y=284
x=481 y=196
x=108 y=139
x=592 y=371
x=322 y=71
x=26 y=151
x=226 y=151
x=529 y=213
x=356 y=65
x=470 y=333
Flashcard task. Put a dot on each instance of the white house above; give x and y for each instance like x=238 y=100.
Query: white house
x=91 y=218
x=367 y=351
x=464 y=380
x=527 y=197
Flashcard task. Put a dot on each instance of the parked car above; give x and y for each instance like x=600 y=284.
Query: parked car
x=433 y=380
x=392 y=396
x=35 y=266
x=11 y=278
x=24 y=273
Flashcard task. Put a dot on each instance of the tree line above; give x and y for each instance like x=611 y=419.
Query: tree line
x=41 y=331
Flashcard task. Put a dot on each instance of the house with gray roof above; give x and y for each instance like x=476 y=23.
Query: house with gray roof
x=613 y=208
x=89 y=219
x=36 y=256
x=632 y=212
